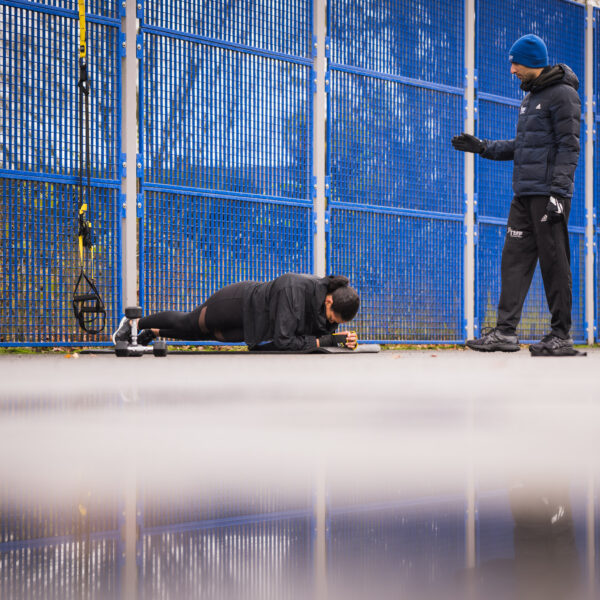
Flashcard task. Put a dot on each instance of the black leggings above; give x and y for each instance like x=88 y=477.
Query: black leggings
x=220 y=318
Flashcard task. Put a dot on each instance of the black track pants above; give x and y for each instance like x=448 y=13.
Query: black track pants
x=528 y=239
x=223 y=318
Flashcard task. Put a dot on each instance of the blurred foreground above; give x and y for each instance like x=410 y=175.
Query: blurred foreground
x=412 y=474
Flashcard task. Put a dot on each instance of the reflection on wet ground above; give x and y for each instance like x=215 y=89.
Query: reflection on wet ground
x=403 y=475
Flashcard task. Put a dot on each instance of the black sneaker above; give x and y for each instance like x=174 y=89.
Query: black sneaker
x=145 y=336
x=123 y=332
x=492 y=340
x=552 y=345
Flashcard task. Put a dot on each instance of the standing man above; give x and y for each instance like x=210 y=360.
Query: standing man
x=545 y=153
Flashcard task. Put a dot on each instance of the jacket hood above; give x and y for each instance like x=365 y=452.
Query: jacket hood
x=560 y=73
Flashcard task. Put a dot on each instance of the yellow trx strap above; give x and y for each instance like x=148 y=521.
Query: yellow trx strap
x=87 y=304
x=82 y=30
x=85 y=226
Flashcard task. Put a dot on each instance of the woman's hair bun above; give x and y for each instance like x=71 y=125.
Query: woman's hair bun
x=336 y=281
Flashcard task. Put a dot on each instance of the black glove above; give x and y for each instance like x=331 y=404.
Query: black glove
x=326 y=341
x=555 y=210
x=339 y=339
x=468 y=143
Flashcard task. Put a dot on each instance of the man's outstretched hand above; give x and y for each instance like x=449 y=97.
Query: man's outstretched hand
x=465 y=142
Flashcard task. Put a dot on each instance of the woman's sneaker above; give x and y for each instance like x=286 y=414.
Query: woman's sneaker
x=123 y=332
x=492 y=340
x=552 y=345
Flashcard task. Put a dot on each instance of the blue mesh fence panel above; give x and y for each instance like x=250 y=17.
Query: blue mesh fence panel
x=577 y=242
x=284 y=27
x=390 y=144
x=577 y=216
x=228 y=121
x=498 y=98
x=226 y=124
x=397 y=196
x=197 y=244
x=39 y=168
x=95 y=8
x=414 y=38
x=407 y=269
x=597 y=163
x=40 y=262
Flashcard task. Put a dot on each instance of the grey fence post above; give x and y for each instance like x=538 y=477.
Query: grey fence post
x=319 y=19
x=129 y=128
x=589 y=173
x=469 y=182
x=129 y=272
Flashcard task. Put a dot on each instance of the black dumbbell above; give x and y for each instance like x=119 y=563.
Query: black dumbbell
x=122 y=348
x=159 y=348
x=133 y=312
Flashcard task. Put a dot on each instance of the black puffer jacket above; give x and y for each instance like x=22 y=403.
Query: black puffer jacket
x=288 y=312
x=546 y=147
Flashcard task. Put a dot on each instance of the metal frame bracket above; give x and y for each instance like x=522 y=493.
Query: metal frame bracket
x=123 y=205
x=139 y=46
x=123 y=165
x=139 y=206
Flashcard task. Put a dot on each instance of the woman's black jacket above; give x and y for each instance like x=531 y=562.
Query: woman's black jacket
x=288 y=312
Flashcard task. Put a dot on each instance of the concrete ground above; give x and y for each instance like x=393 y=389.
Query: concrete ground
x=232 y=417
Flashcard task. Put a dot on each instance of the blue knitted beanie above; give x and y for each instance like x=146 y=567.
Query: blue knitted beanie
x=529 y=51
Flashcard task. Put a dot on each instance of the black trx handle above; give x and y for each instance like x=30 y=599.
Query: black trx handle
x=88 y=307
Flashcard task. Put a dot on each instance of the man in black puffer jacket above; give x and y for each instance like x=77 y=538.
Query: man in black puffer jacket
x=545 y=153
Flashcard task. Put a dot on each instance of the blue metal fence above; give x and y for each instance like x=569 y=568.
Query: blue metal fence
x=39 y=167
x=225 y=155
x=226 y=144
x=596 y=134
x=498 y=98
x=396 y=204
